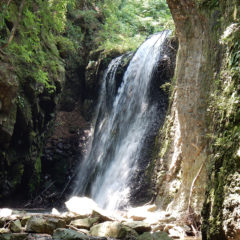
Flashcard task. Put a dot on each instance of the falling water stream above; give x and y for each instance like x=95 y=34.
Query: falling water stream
x=123 y=117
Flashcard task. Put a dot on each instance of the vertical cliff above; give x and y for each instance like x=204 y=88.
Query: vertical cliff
x=199 y=150
x=186 y=154
x=31 y=78
x=222 y=203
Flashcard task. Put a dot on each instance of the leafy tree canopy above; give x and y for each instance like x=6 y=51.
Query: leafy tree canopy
x=129 y=22
x=31 y=31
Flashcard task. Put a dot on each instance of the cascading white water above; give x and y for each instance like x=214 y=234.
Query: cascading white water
x=121 y=124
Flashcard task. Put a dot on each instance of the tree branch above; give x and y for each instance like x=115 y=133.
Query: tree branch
x=17 y=22
x=8 y=3
x=14 y=29
x=2 y=52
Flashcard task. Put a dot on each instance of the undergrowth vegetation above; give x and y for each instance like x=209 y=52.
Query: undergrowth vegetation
x=116 y=26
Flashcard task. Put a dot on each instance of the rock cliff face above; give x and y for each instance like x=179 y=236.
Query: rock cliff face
x=187 y=151
x=26 y=114
x=41 y=115
x=198 y=152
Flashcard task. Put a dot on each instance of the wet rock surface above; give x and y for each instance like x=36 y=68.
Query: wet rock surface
x=16 y=226
x=143 y=181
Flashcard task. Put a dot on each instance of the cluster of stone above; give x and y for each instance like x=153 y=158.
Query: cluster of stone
x=85 y=221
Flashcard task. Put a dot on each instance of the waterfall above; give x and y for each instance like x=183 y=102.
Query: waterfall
x=123 y=117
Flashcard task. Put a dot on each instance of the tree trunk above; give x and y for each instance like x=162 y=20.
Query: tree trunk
x=15 y=26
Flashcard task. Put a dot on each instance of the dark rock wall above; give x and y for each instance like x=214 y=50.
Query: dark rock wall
x=27 y=112
x=144 y=187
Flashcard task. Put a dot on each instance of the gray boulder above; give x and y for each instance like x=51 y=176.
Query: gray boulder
x=102 y=215
x=13 y=236
x=113 y=230
x=68 y=234
x=16 y=226
x=154 y=236
x=44 y=225
x=138 y=226
x=39 y=237
x=85 y=223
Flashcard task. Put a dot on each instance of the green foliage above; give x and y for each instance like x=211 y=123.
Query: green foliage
x=33 y=50
x=17 y=172
x=20 y=102
x=107 y=25
x=81 y=30
x=129 y=22
x=42 y=77
x=210 y=4
x=116 y=26
x=226 y=100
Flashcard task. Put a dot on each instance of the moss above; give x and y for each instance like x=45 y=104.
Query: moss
x=166 y=138
x=17 y=173
x=35 y=179
x=20 y=102
x=149 y=173
x=208 y=4
x=163 y=140
x=38 y=166
x=224 y=114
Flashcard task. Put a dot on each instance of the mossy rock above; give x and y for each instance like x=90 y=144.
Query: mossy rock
x=113 y=230
x=154 y=236
x=13 y=236
x=42 y=225
x=69 y=234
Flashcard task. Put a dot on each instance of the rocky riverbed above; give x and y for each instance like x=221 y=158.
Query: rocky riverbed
x=85 y=220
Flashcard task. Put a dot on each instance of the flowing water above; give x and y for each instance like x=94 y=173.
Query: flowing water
x=123 y=117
